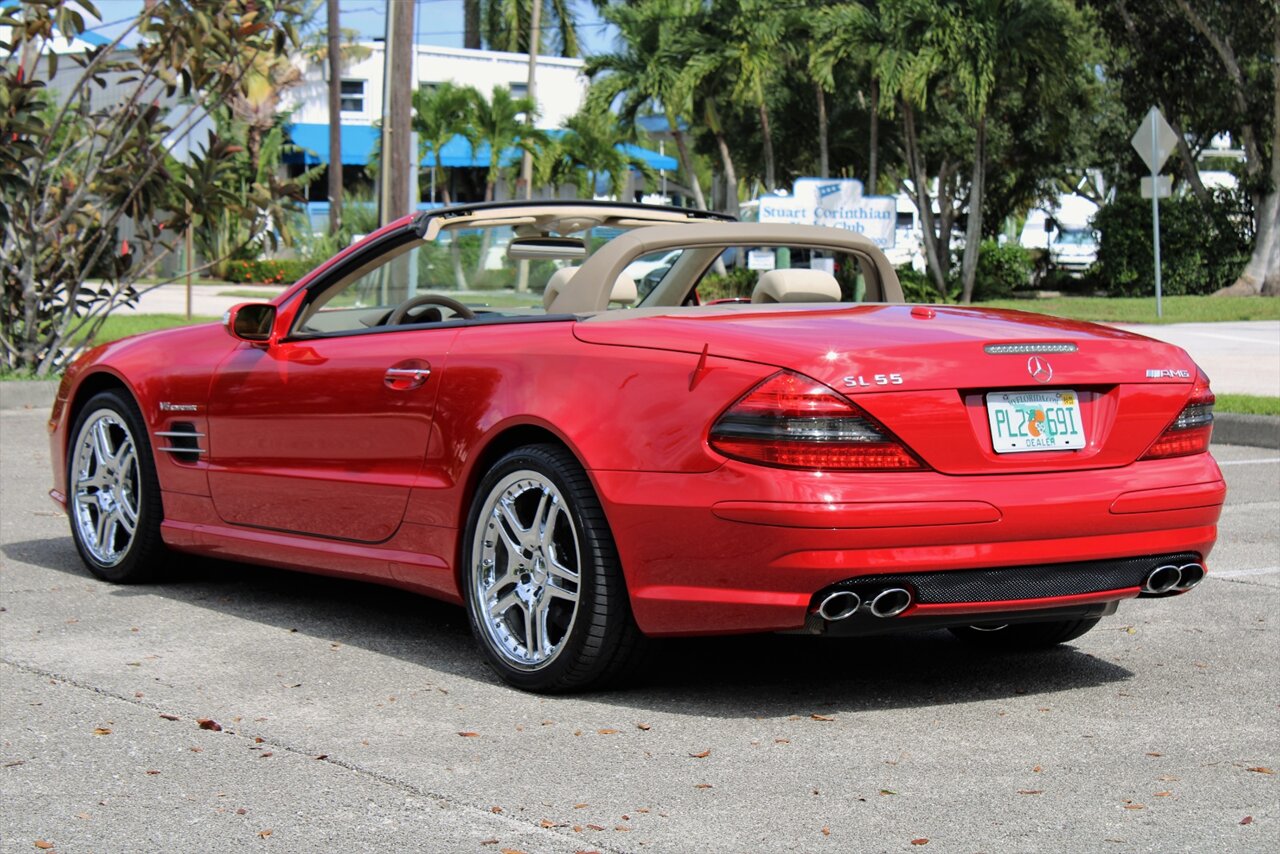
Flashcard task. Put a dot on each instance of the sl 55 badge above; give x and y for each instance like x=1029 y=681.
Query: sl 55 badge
x=860 y=381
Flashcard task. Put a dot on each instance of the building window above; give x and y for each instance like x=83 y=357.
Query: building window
x=519 y=90
x=353 y=96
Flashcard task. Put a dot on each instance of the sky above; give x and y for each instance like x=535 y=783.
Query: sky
x=437 y=22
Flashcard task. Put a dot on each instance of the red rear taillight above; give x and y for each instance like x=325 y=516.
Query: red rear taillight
x=1191 y=430
x=792 y=421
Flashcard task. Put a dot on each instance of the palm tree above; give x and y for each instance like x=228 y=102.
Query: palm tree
x=500 y=122
x=504 y=25
x=986 y=45
x=707 y=82
x=334 y=46
x=590 y=148
x=752 y=45
x=256 y=102
x=849 y=34
x=440 y=114
x=645 y=71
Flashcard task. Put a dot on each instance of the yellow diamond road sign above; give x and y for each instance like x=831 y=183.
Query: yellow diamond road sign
x=1154 y=141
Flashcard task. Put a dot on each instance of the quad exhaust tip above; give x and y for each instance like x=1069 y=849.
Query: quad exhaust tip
x=1190 y=575
x=891 y=602
x=839 y=605
x=1162 y=579
x=1173 y=579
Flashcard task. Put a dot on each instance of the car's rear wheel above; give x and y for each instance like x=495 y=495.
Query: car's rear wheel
x=113 y=497
x=544 y=585
x=1025 y=635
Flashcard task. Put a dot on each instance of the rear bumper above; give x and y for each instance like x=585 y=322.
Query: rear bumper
x=746 y=548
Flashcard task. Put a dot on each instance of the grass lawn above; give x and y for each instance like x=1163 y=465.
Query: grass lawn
x=122 y=325
x=1182 y=309
x=245 y=293
x=1248 y=404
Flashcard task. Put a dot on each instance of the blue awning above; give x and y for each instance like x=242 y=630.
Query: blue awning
x=457 y=153
x=653 y=158
x=358 y=142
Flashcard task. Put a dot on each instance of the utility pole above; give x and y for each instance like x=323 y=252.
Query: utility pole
x=397 y=172
x=526 y=162
x=535 y=37
x=397 y=113
x=335 y=119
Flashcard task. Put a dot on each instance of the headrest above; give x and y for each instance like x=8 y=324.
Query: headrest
x=624 y=287
x=624 y=290
x=796 y=285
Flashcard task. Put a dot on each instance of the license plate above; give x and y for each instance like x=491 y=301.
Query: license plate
x=1035 y=421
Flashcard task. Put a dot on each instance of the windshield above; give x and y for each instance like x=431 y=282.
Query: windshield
x=1075 y=237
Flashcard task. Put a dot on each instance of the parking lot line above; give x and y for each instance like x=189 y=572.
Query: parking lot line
x=1242 y=573
x=1248 y=462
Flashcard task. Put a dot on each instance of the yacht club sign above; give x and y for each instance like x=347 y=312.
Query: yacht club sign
x=835 y=203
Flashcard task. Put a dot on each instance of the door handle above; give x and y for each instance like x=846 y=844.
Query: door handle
x=406 y=379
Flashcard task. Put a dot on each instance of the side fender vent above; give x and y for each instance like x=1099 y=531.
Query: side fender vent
x=181 y=441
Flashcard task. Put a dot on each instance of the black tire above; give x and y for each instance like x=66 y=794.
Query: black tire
x=1025 y=635
x=107 y=490
x=537 y=538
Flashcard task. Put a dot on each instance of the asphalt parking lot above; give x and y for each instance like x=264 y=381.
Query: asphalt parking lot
x=354 y=717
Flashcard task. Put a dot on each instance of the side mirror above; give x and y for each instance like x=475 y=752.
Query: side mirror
x=250 y=321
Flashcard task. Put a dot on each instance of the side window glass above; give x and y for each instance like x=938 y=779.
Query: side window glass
x=744 y=266
x=366 y=297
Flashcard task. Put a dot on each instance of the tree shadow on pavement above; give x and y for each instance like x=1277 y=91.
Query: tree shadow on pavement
x=735 y=677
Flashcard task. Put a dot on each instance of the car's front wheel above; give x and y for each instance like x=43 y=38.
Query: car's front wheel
x=1025 y=635
x=544 y=585
x=113 y=497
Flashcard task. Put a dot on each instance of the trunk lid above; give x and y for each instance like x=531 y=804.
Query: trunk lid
x=926 y=372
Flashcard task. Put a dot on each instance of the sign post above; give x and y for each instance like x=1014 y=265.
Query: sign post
x=1154 y=142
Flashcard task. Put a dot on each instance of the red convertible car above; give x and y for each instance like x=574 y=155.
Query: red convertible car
x=477 y=404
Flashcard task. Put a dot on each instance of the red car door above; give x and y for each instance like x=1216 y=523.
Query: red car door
x=324 y=436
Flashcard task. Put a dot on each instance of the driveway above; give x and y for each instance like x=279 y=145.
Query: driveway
x=343 y=716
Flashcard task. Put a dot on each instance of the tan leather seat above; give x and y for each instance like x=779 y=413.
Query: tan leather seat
x=796 y=285
x=556 y=284
x=624 y=287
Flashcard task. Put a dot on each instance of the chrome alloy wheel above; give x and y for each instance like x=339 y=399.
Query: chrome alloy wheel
x=106 y=487
x=526 y=564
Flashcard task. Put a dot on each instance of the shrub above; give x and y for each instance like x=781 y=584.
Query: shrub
x=737 y=282
x=270 y=271
x=916 y=286
x=1203 y=247
x=1001 y=270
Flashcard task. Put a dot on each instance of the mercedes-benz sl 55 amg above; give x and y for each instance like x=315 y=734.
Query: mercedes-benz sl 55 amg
x=478 y=404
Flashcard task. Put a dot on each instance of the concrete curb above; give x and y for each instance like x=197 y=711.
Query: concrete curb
x=1234 y=428
x=1229 y=428
x=28 y=394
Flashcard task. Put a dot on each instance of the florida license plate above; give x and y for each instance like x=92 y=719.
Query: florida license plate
x=1035 y=421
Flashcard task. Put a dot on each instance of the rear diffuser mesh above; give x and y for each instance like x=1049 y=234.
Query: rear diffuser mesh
x=1009 y=583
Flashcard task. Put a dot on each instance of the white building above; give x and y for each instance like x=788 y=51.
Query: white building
x=561 y=85
x=560 y=92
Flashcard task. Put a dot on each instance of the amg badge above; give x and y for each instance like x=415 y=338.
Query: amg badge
x=1158 y=374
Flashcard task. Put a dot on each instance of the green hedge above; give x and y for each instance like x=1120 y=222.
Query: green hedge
x=1203 y=247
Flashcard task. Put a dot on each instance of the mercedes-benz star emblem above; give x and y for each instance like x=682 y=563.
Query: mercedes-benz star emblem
x=1040 y=369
